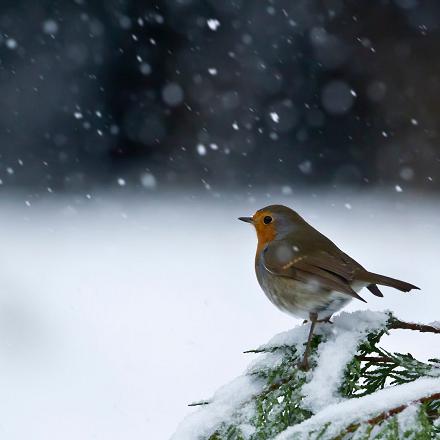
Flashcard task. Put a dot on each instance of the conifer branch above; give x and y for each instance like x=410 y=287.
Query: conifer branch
x=205 y=402
x=374 y=358
x=386 y=414
x=395 y=323
x=279 y=402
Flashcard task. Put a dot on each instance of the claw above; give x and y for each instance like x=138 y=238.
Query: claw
x=326 y=320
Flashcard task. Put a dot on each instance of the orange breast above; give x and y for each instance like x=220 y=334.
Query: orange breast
x=265 y=234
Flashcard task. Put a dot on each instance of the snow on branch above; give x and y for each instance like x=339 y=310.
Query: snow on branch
x=355 y=387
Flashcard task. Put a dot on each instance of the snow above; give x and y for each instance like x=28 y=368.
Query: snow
x=11 y=43
x=305 y=167
x=201 y=149
x=225 y=401
x=343 y=337
x=172 y=94
x=116 y=312
x=355 y=410
x=50 y=27
x=213 y=24
x=275 y=117
x=345 y=334
x=145 y=69
x=286 y=190
x=321 y=390
x=148 y=180
x=407 y=417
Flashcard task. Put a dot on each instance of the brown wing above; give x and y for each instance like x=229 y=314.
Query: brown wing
x=322 y=268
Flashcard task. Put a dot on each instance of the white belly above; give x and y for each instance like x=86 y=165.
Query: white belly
x=300 y=299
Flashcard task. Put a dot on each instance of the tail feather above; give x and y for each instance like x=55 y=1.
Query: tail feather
x=375 y=278
x=374 y=290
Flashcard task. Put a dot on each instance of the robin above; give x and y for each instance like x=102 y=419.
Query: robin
x=305 y=274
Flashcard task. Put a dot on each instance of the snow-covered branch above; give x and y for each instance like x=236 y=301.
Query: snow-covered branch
x=354 y=387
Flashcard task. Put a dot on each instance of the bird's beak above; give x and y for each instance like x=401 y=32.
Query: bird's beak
x=246 y=219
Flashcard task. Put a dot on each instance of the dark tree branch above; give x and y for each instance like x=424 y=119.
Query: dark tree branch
x=386 y=414
x=374 y=358
x=397 y=324
x=199 y=403
x=393 y=323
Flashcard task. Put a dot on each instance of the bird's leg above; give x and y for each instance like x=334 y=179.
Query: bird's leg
x=304 y=364
x=326 y=320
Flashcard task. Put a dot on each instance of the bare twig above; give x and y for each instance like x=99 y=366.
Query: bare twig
x=269 y=349
x=374 y=358
x=199 y=403
x=397 y=324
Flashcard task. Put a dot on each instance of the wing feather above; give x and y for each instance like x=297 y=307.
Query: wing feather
x=320 y=268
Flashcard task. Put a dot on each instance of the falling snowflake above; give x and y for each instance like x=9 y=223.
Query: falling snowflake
x=213 y=24
x=201 y=149
x=148 y=180
x=206 y=185
x=50 y=27
x=145 y=69
x=275 y=117
x=172 y=94
x=305 y=167
x=286 y=190
x=11 y=43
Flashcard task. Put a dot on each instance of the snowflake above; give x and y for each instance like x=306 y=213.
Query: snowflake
x=213 y=24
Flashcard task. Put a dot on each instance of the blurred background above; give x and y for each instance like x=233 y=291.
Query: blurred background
x=133 y=134
x=219 y=94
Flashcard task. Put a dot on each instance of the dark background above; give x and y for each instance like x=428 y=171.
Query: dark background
x=219 y=94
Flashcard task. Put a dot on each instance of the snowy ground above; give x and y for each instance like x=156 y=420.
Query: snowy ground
x=117 y=312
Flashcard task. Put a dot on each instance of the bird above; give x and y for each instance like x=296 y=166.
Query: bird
x=304 y=273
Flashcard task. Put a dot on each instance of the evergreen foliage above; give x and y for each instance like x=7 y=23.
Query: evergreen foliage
x=281 y=409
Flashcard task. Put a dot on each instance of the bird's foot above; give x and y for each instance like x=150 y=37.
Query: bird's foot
x=325 y=320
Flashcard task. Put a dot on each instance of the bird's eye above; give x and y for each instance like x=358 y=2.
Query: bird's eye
x=267 y=219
